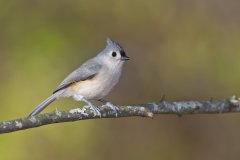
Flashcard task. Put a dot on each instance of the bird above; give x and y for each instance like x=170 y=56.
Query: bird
x=93 y=80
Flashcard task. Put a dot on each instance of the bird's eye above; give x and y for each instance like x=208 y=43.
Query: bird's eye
x=114 y=54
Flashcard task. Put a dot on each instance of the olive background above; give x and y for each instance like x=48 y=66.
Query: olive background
x=186 y=50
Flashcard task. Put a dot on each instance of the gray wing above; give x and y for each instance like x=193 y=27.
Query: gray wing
x=86 y=71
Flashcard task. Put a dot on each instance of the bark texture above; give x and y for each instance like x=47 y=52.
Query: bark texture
x=142 y=110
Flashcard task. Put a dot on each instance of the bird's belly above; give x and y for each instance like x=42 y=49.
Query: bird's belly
x=95 y=88
x=89 y=89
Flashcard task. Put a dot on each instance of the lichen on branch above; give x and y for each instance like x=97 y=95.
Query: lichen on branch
x=142 y=110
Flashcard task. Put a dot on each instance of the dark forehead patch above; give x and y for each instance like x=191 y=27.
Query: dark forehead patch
x=123 y=54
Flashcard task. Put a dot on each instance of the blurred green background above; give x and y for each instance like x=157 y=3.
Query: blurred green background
x=187 y=50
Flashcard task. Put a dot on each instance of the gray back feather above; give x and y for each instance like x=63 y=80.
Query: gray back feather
x=87 y=70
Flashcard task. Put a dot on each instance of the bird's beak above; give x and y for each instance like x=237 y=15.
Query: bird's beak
x=125 y=58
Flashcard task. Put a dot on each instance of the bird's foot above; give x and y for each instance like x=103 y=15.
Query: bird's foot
x=113 y=107
x=96 y=110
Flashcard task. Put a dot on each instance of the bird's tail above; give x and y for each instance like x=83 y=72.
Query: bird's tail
x=44 y=104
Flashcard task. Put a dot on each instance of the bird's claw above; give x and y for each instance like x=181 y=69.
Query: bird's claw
x=96 y=111
x=113 y=107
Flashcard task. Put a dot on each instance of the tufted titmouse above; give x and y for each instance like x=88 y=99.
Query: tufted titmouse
x=93 y=80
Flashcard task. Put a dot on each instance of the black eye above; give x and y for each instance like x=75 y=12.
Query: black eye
x=114 y=54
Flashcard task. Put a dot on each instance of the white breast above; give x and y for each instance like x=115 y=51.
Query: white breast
x=97 y=87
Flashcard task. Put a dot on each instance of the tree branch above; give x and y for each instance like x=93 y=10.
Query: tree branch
x=142 y=110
